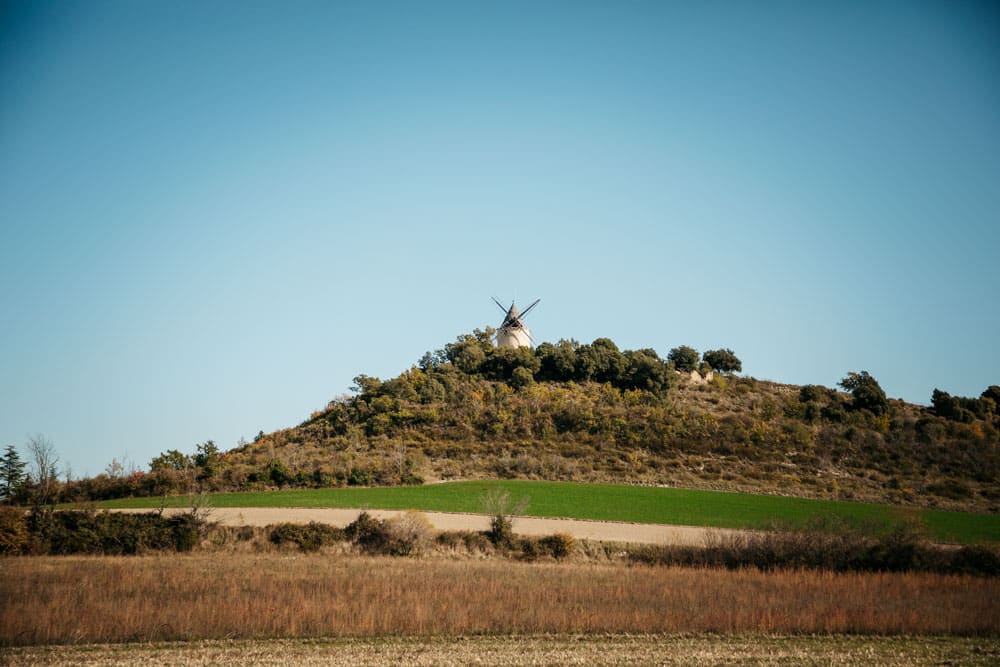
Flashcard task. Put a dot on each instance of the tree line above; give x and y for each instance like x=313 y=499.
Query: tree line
x=570 y=361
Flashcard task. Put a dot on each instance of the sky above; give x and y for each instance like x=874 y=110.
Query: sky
x=214 y=215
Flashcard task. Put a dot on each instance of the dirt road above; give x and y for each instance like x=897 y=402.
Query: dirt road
x=605 y=531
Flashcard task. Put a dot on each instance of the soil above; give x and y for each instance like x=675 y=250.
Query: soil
x=603 y=531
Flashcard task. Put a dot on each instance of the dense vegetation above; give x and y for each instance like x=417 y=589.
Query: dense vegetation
x=824 y=544
x=592 y=412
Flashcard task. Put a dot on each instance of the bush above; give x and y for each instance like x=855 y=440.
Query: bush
x=359 y=477
x=560 y=545
x=978 y=559
x=309 y=537
x=13 y=531
x=955 y=489
x=410 y=534
x=833 y=547
x=472 y=541
x=74 y=532
x=405 y=535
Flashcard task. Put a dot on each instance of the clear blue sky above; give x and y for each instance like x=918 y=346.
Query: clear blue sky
x=213 y=215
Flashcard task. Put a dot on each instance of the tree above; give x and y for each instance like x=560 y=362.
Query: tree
x=43 y=468
x=206 y=458
x=685 y=358
x=469 y=351
x=993 y=391
x=170 y=460
x=601 y=361
x=865 y=392
x=961 y=408
x=366 y=385
x=723 y=361
x=557 y=362
x=11 y=472
x=647 y=371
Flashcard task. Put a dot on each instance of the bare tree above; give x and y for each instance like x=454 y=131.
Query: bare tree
x=500 y=507
x=43 y=460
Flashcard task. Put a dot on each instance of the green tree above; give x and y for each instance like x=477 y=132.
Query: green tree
x=207 y=458
x=170 y=460
x=557 y=362
x=723 y=361
x=365 y=385
x=865 y=392
x=11 y=472
x=468 y=352
x=961 y=408
x=647 y=371
x=993 y=393
x=501 y=363
x=601 y=361
x=685 y=358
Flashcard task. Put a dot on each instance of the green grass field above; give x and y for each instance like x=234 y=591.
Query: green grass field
x=608 y=502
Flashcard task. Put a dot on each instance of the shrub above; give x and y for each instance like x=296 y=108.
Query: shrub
x=827 y=546
x=13 y=531
x=186 y=531
x=410 y=534
x=955 y=489
x=498 y=504
x=560 y=545
x=406 y=535
x=72 y=532
x=359 y=477
x=309 y=537
x=473 y=541
x=977 y=559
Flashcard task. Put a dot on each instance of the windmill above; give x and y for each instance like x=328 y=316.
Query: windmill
x=513 y=332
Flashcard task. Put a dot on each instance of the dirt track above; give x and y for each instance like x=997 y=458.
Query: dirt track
x=605 y=531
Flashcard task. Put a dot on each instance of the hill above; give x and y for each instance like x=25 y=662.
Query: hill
x=595 y=413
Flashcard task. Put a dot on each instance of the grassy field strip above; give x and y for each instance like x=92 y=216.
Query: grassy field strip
x=79 y=600
x=598 y=650
x=608 y=502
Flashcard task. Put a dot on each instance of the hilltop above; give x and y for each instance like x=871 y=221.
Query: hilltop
x=594 y=413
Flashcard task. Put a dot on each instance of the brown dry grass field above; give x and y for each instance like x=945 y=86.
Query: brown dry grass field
x=77 y=600
x=594 y=650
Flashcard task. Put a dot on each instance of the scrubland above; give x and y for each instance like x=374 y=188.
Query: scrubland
x=77 y=600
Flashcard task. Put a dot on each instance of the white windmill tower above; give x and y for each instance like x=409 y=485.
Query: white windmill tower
x=513 y=332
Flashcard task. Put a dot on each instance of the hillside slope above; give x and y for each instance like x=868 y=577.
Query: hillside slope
x=593 y=413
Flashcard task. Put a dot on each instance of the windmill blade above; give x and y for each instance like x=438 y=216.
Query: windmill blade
x=525 y=311
x=499 y=305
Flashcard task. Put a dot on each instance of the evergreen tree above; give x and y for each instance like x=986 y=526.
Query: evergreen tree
x=724 y=361
x=685 y=358
x=11 y=472
x=866 y=393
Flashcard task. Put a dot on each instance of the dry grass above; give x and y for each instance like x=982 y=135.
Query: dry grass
x=699 y=650
x=51 y=600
